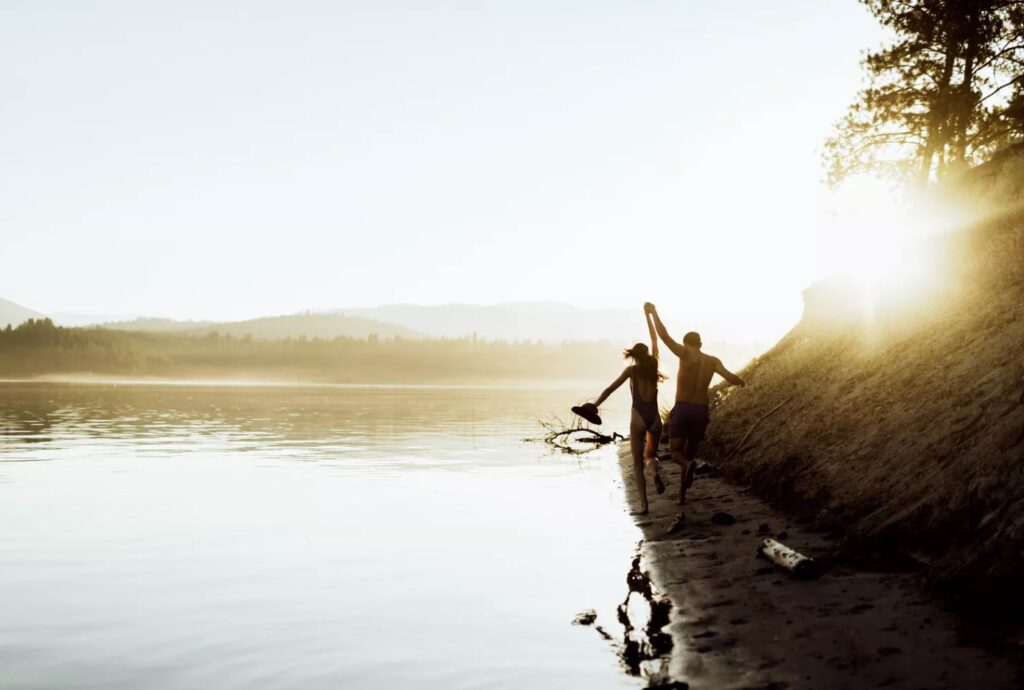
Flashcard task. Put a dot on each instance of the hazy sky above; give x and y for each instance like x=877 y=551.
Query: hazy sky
x=225 y=160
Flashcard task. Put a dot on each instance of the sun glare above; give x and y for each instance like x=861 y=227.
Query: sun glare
x=882 y=245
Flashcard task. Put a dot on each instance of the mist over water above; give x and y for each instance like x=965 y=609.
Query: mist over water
x=248 y=537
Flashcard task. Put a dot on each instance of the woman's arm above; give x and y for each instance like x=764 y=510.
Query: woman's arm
x=612 y=388
x=675 y=347
x=653 y=334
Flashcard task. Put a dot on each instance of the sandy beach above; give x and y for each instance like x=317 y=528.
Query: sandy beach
x=738 y=621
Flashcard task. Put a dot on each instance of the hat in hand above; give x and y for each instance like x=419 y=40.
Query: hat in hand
x=589 y=412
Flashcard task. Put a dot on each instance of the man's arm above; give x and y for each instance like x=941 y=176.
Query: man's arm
x=676 y=348
x=613 y=387
x=728 y=375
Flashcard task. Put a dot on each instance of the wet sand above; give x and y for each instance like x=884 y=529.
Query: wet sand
x=737 y=621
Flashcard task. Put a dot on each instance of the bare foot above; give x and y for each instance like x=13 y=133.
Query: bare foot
x=642 y=511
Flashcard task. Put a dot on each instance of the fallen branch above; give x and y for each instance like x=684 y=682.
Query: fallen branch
x=564 y=437
x=754 y=426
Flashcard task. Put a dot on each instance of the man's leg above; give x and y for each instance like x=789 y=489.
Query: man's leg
x=678 y=447
x=691 y=459
x=651 y=456
x=692 y=435
x=677 y=444
x=651 y=447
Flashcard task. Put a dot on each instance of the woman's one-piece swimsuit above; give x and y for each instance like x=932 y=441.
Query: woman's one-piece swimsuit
x=648 y=409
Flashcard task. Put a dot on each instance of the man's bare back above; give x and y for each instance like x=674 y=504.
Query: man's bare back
x=696 y=370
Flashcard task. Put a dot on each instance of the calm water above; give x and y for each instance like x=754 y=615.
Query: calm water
x=279 y=537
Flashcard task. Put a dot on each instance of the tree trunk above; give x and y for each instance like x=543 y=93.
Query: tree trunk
x=938 y=113
x=965 y=97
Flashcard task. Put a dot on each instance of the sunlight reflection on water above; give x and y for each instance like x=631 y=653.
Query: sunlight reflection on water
x=184 y=536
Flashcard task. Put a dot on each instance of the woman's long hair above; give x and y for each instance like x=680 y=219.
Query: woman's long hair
x=646 y=363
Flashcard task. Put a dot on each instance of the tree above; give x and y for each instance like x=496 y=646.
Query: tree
x=937 y=98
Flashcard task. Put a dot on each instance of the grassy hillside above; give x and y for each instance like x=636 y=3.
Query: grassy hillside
x=904 y=426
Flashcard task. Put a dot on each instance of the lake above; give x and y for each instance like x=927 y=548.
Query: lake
x=201 y=536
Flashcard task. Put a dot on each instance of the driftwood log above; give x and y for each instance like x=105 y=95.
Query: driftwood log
x=795 y=562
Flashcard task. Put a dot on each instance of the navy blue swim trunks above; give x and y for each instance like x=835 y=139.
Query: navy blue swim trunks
x=688 y=421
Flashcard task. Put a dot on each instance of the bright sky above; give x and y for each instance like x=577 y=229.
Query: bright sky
x=232 y=159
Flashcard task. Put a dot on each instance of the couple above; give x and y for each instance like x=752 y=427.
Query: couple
x=689 y=417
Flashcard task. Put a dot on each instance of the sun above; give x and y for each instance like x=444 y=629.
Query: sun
x=891 y=251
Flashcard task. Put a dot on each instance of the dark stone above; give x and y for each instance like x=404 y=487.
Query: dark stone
x=721 y=518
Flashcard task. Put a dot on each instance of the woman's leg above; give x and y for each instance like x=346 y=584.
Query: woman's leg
x=637 y=434
x=652 y=415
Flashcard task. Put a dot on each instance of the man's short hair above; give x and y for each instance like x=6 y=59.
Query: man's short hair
x=692 y=338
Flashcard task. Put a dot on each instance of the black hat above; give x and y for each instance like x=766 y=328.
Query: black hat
x=589 y=412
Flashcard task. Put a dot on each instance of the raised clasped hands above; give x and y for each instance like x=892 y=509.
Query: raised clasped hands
x=648 y=308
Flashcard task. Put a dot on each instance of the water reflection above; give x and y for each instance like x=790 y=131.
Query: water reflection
x=646 y=647
x=306 y=423
x=187 y=536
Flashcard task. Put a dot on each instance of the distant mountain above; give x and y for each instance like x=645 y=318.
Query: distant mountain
x=74 y=320
x=13 y=314
x=309 y=325
x=550 y=322
x=151 y=324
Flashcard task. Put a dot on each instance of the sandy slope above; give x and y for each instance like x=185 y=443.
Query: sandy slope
x=738 y=622
x=903 y=427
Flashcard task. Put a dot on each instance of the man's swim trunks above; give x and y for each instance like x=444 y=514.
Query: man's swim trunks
x=688 y=421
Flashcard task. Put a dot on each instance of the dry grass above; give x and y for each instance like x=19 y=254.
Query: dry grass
x=906 y=432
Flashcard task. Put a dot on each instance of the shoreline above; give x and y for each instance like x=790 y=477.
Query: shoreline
x=101 y=380
x=737 y=621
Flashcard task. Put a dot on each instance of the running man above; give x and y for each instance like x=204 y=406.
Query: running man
x=689 y=417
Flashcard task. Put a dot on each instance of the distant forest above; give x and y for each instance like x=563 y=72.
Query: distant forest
x=38 y=347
